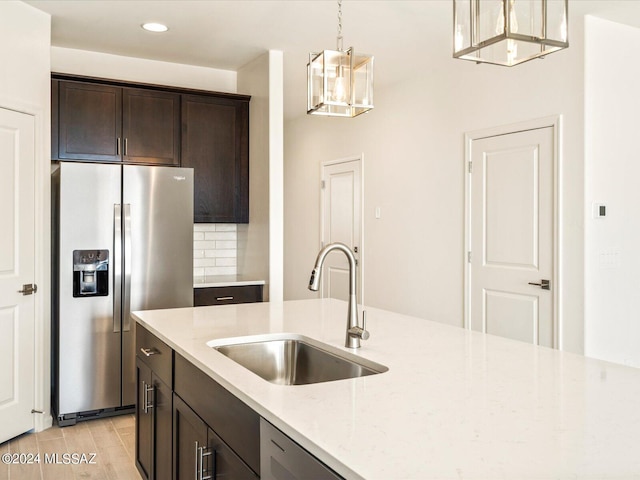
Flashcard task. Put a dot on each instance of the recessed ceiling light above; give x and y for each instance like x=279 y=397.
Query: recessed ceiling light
x=155 y=27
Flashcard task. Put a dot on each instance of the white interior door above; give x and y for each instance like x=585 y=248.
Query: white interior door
x=341 y=222
x=17 y=268
x=512 y=235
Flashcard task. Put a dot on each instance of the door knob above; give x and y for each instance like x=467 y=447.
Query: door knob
x=544 y=284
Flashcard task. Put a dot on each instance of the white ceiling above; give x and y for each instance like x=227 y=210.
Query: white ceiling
x=227 y=34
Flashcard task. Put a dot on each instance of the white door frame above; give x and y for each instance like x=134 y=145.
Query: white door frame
x=555 y=122
x=42 y=257
x=355 y=158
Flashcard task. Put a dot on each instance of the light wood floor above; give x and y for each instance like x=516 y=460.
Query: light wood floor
x=111 y=439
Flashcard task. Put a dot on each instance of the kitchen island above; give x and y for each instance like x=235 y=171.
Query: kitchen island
x=453 y=404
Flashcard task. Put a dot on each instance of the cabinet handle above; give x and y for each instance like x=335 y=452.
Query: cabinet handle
x=149 y=351
x=118 y=146
x=200 y=470
x=146 y=389
x=126 y=147
x=220 y=299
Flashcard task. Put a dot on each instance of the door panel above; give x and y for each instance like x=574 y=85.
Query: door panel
x=224 y=463
x=511 y=315
x=511 y=209
x=17 y=267
x=341 y=219
x=89 y=339
x=189 y=433
x=163 y=430
x=151 y=126
x=215 y=144
x=336 y=277
x=90 y=121
x=158 y=224
x=144 y=420
x=512 y=235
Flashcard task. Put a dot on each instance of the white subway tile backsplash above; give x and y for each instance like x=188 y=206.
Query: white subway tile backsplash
x=226 y=262
x=204 y=245
x=220 y=271
x=221 y=236
x=226 y=244
x=215 y=249
x=226 y=227
x=204 y=227
x=198 y=272
x=204 y=262
x=227 y=253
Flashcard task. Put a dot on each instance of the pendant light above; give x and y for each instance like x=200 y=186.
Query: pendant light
x=508 y=32
x=339 y=82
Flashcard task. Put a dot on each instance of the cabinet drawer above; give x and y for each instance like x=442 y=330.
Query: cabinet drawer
x=155 y=353
x=227 y=295
x=231 y=419
x=283 y=459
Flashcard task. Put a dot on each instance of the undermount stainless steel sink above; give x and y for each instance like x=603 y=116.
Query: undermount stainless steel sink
x=286 y=359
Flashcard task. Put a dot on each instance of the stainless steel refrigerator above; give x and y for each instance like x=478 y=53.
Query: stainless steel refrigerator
x=122 y=241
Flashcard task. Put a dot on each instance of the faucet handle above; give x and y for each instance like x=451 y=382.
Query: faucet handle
x=365 y=334
x=360 y=332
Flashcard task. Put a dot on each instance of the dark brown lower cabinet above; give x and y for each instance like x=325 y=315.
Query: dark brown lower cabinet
x=154 y=419
x=188 y=426
x=235 y=422
x=283 y=459
x=227 y=295
x=199 y=452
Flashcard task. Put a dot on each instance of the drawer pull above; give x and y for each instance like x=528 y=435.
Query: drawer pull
x=220 y=299
x=149 y=351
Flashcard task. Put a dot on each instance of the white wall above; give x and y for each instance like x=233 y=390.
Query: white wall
x=25 y=86
x=612 y=172
x=413 y=145
x=118 y=67
x=260 y=242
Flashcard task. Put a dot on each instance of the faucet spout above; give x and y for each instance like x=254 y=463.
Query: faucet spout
x=354 y=331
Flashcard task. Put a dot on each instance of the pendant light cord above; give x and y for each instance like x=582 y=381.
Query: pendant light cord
x=339 y=38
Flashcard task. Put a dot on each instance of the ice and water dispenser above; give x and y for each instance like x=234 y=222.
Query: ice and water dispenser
x=90 y=273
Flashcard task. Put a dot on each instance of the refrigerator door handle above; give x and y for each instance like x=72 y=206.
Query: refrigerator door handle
x=126 y=321
x=117 y=267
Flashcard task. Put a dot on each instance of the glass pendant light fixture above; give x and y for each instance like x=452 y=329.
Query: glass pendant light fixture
x=339 y=82
x=508 y=32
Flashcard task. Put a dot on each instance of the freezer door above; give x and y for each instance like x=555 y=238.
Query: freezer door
x=158 y=249
x=88 y=347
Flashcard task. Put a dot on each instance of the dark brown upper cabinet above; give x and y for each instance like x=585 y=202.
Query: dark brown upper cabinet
x=107 y=123
x=215 y=143
x=150 y=127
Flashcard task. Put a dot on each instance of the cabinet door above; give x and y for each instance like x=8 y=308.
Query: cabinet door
x=224 y=463
x=189 y=435
x=89 y=121
x=215 y=143
x=144 y=422
x=151 y=127
x=162 y=429
x=233 y=420
x=283 y=459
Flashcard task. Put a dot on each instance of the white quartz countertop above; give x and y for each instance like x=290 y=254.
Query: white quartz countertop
x=225 y=281
x=454 y=404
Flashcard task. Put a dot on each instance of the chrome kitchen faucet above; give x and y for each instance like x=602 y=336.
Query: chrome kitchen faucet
x=354 y=332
